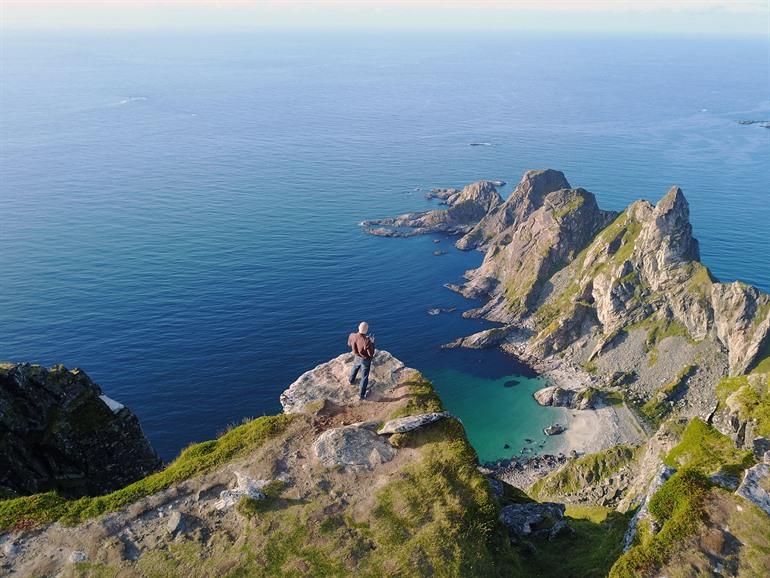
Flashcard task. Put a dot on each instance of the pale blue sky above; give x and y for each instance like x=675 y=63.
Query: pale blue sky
x=700 y=17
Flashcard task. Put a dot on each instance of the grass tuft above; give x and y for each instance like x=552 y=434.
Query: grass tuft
x=708 y=450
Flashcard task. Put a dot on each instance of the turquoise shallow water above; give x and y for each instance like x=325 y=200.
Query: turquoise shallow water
x=179 y=213
x=495 y=415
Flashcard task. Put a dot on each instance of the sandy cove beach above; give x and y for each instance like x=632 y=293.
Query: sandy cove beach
x=587 y=430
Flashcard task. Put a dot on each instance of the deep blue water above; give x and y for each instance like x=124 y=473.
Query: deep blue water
x=179 y=213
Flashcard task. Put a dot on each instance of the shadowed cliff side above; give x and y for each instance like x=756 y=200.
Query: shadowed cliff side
x=58 y=431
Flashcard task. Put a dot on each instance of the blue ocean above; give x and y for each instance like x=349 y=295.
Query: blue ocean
x=180 y=213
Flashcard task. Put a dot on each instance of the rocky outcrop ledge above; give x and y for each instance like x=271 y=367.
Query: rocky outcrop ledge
x=58 y=431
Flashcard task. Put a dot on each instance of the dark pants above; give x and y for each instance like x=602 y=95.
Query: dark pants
x=364 y=365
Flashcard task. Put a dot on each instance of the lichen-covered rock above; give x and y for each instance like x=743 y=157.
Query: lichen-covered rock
x=534 y=519
x=411 y=422
x=245 y=487
x=755 y=486
x=330 y=381
x=352 y=446
x=59 y=431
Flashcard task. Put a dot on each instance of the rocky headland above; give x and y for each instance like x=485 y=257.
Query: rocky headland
x=636 y=336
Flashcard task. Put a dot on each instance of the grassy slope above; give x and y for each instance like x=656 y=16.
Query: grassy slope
x=708 y=450
x=30 y=511
x=589 y=552
x=680 y=506
x=586 y=470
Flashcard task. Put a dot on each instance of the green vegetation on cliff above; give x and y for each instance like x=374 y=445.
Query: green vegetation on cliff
x=704 y=448
x=584 y=471
x=678 y=508
x=658 y=406
x=749 y=396
x=588 y=552
x=422 y=398
x=438 y=516
x=30 y=511
x=435 y=517
x=617 y=240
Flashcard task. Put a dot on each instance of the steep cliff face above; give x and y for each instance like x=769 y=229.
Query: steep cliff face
x=58 y=431
x=644 y=268
x=526 y=254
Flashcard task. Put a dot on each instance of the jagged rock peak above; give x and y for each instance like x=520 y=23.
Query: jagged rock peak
x=536 y=183
x=61 y=432
x=527 y=197
x=484 y=192
x=669 y=232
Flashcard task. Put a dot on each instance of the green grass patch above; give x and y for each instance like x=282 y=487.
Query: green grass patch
x=250 y=507
x=422 y=398
x=750 y=396
x=678 y=508
x=573 y=205
x=704 y=448
x=595 y=514
x=438 y=516
x=30 y=511
x=584 y=471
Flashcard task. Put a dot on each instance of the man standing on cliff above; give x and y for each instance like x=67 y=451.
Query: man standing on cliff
x=363 y=349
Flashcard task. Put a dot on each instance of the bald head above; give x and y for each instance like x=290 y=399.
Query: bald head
x=363 y=327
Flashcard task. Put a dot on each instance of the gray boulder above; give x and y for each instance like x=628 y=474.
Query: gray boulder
x=352 y=446
x=554 y=429
x=411 y=422
x=177 y=523
x=245 y=487
x=755 y=486
x=583 y=398
x=534 y=519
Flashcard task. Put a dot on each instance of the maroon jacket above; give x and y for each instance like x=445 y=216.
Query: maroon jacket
x=362 y=345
